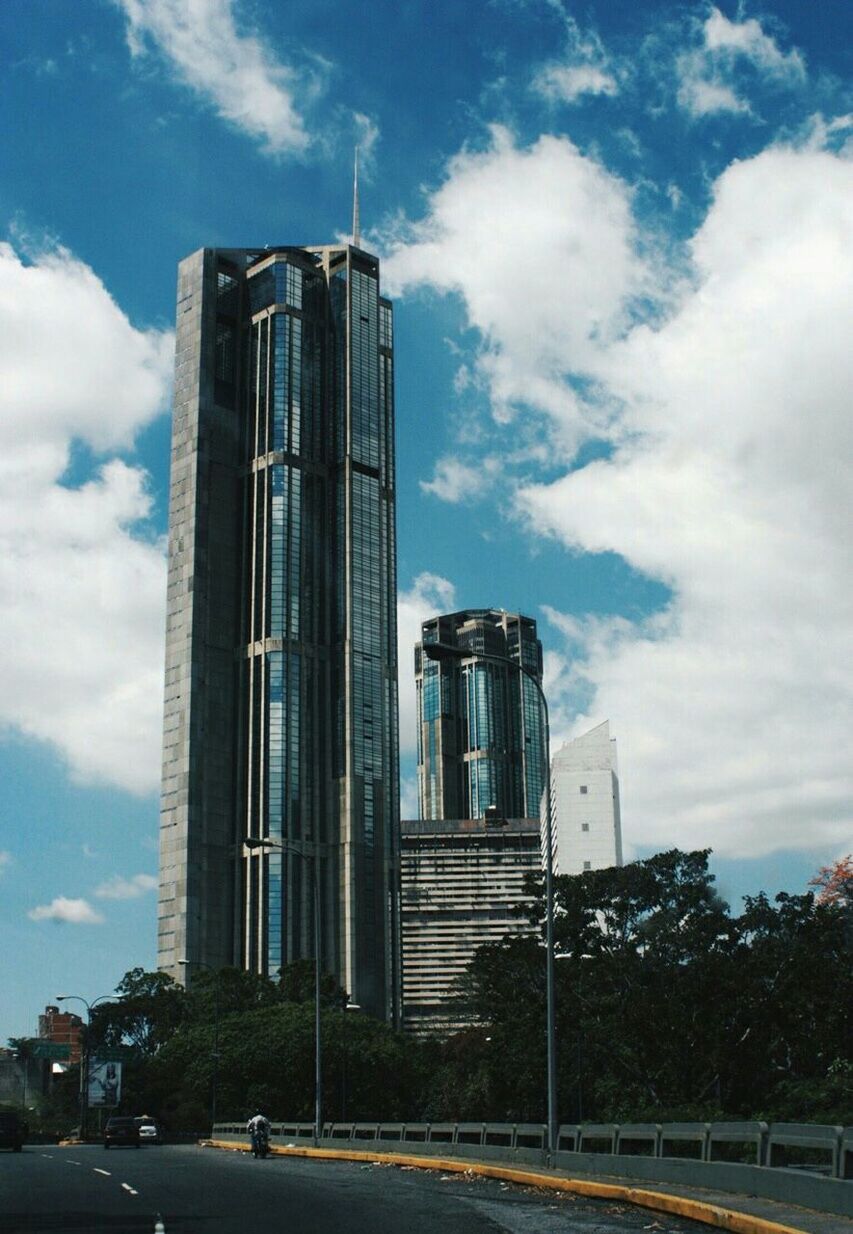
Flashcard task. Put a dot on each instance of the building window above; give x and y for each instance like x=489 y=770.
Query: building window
x=583 y=788
x=587 y=865
x=584 y=826
x=226 y=293
x=224 y=362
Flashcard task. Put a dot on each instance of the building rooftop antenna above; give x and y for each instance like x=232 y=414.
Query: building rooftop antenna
x=356 y=224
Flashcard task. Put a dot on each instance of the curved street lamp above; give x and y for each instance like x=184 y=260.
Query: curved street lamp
x=84 y=1052
x=445 y=651
x=308 y=853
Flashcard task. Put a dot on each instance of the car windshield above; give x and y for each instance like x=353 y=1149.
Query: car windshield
x=116 y=1123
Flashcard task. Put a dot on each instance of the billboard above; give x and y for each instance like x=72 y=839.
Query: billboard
x=104 y=1082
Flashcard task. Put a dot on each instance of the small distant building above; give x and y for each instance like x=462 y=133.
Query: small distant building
x=587 y=826
x=63 y=1028
x=462 y=882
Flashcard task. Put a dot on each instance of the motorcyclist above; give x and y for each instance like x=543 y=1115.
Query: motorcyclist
x=258 y=1130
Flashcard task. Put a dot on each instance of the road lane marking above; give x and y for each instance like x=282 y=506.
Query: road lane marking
x=127 y=1187
x=70 y=1162
x=97 y=1171
x=159 y=1228
x=48 y=1155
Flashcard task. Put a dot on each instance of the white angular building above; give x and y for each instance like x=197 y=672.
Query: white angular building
x=587 y=828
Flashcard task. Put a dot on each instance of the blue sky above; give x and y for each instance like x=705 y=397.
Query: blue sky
x=619 y=240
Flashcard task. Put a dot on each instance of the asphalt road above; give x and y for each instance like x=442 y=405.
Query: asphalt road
x=191 y=1190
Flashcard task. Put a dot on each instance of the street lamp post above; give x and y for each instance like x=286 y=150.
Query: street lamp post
x=84 y=1051
x=346 y=1006
x=295 y=846
x=215 y=1055
x=445 y=651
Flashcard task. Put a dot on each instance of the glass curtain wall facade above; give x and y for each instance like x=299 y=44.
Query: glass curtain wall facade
x=481 y=731
x=281 y=696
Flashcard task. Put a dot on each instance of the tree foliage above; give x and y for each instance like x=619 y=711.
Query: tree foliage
x=835 y=882
x=668 y=1006
x=257 y=1034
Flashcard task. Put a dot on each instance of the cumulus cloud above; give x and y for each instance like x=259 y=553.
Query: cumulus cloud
x=409 y=797
x=747 y=38
x=568 y=82
x=706 y=74
x=429 y=595
x=118 y=888
x=725 y=412
x=584 y=68
x=234 y=70
x=731 y=487
x=76 y=912
x=538 y=242
x=367 y=135
x=81 y=585
x=458 y=482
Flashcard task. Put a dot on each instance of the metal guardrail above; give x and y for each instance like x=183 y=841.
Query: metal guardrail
x=807 y=1165
x=828 y=1149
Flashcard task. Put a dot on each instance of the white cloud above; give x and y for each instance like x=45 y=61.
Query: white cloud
x=81 y=590
x=77 y=912
x=706 y=74
x=584 y=68
x=367 y=135
x=409 y=797
x=569 y=82
x=702 y=97
x=728 y=479
x=237 y=72
x=458 y=482
x=731 y=485
x=538 y=243
x=747 y=39
x=118 y=888
x=429 y=595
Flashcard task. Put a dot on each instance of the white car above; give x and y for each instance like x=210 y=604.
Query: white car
x=149 y=1131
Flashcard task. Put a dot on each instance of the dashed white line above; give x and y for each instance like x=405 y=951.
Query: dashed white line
x=48 y=1155
x=159 y=1228
x=127 y=1187
x=97 y=1171
x=70 y=1162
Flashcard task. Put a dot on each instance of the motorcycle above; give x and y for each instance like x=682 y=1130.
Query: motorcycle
x=260 y=1142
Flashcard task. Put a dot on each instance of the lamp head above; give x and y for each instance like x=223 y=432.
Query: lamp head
x=267 y=842
x=443 y=651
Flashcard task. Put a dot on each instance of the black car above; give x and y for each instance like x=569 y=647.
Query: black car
x=121 y=1131
x=12 y=1132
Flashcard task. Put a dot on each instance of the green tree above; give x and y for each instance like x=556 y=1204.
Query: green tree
x=148 y=1010
x=267 y=1061
x=667 y=1006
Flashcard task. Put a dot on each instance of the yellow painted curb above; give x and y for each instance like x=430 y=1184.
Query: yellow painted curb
x=661 y=1201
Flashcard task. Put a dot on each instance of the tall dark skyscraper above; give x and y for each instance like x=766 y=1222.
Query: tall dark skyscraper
x=281 y=660
x=481 y=738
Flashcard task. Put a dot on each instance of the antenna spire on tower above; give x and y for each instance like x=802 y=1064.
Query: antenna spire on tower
x=356 y=225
